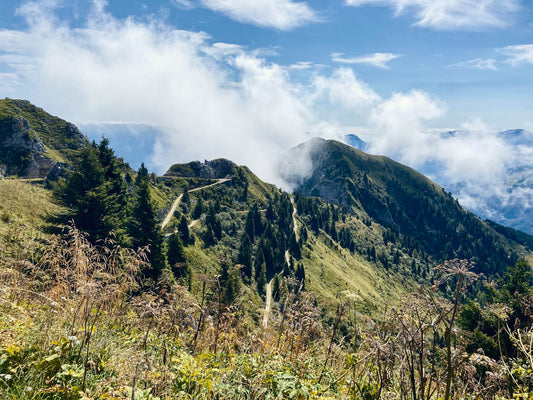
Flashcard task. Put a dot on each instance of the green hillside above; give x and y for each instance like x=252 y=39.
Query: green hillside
x=413 y=209
x=33 y=141
x=210 y=283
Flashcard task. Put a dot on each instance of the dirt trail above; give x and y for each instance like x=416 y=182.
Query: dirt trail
x=171 y=212
x=268 y=303
x=295 y=225
x=178 y=199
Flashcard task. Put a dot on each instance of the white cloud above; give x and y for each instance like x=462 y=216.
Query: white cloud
x=209 y=100
x=378 y=60
x=488 y=172
x=8 y=82
x=344 y=89
x=278 y=14
x=452 y=14
x=478 y=63
x=518 y=54
x=397 y=126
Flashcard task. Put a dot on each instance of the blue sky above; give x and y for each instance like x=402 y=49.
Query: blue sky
x=177 y=80
x=469 y=64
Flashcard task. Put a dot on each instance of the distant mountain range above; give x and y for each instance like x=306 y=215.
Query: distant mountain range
x=510 y=205
x=355 y=220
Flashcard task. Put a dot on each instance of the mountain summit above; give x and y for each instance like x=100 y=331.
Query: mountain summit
x=33 y=143
x=400 y=199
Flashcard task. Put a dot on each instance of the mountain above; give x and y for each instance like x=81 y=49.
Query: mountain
x=234 y=287
x=355 y=141
x=33 y=143
x=403 y=201
x=507 y=201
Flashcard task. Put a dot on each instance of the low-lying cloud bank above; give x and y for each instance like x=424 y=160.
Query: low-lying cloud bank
x=210 y=100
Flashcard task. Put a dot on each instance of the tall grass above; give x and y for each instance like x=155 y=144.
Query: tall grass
x=76 y=323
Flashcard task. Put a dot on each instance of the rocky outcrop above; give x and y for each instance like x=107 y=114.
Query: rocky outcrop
x=22 y=153
x=215 y=169
x=33 y=143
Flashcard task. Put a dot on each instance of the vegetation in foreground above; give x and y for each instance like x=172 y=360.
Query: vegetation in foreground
x=240 y=293
x=73 y=325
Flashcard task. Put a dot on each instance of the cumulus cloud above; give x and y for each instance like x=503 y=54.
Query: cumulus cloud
x=207 y=99
x=478 y=63
x=518 y=54
x=489 y=172
x=379 y=60
x=344 y=89
x=397 y=125
x=278 y=14
x=451 y=14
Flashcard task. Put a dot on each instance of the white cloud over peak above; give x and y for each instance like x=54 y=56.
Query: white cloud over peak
x=344 y=89
x=451 y=14
x=478 y=63
x=208 y=100
x=278 y=14
x=518 y=54
x=378 y=60
x=397 y=126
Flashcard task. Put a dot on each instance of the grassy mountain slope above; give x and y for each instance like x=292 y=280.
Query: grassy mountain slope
x=33 y=141
x=404 y=202
x=259 y=293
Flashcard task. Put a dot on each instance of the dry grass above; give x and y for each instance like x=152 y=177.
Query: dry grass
x=26 y=205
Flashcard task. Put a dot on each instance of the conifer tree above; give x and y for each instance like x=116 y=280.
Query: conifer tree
x=294 y=247
x=209 y=237
x=183 y=229
x=84 y=193
x=249 y=226
x=300 y=275
x=186 y=198
x=261 y=280
x=245 y=255
x=144 y=227
x=199 y=209
x=175 y=252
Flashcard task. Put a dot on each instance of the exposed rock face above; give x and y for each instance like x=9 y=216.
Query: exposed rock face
x=21 y=151
x=216 y=169
x=34 y=143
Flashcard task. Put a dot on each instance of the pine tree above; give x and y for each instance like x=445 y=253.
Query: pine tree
x=294 y=247
x=258 y=221
x=186 y=199
x=261 y=280
x=183 y=229
x=175 y=251
x=199 y=209
x=249 y=226
x=209 y=237
x=144 y=227
x=300 y=275
x=84 y=193
x=245 y=255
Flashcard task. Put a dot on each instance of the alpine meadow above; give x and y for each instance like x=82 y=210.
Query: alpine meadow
x=306 y=200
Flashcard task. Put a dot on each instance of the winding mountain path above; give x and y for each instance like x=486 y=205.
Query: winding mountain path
x=171 y=212
x=178 y=199
x=294 y=223
x=268 y=304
